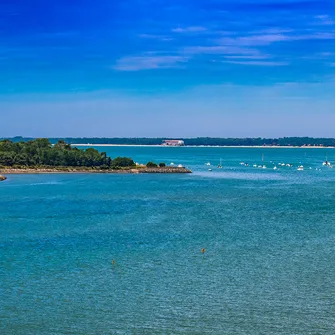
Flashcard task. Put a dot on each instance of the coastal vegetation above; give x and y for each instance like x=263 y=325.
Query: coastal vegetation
x=151 y=165
x=208 y=141
x=41 y=153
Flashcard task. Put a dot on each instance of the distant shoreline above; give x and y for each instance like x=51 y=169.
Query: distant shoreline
x=202 y=146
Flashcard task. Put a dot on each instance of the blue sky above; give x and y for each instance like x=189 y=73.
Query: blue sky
x=174 y=68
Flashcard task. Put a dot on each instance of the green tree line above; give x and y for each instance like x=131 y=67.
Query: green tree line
x=40 y=152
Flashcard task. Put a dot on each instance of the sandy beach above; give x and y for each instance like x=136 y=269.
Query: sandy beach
x=203 y=146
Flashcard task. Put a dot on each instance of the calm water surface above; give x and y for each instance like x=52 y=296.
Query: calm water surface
x=269 y=237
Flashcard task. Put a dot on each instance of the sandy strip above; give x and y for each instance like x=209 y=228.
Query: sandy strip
x=202 y=146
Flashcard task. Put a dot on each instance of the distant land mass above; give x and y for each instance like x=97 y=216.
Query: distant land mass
x=199 y=141
x=40 y=156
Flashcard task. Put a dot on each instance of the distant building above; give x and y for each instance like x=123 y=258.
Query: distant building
x=174 y=143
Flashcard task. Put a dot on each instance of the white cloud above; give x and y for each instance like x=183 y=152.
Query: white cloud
x=325 y=20
x=192 y=29
x=258 y=63
x=155 y=37
x=239 y=48
x=273 y=31
x=149 y=62
x=220 y=49
x=255 y=57
x=267 y=39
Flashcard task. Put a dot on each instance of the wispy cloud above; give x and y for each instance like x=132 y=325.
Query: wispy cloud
x=221 y=50
x=267 y=39
x=254 y=40
x=192 y=29
x=325 y=20
x=149 y=62
x=258 y=63
x=155 y=37
x=254 y=57
x=326 y=54
x=273 y=30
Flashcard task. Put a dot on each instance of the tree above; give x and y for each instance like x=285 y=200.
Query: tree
x=40 y=152
x=6 y=146
x=7 y=158
x=62 y=145
x=42 y=143
x=151 y=165
x=162 y=164
x=122 y=162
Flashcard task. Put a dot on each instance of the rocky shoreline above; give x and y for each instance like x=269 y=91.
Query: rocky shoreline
x=167 y=169
x=155 y=170
x=2 y=178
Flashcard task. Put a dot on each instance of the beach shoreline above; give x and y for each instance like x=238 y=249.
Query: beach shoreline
x=202 y=146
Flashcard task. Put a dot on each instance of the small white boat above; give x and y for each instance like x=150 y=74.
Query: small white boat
x=171 y=163
x=275 y=168
x=255 y=165
x=300 y=168
x=208 y=164
x=180 y=166
x=210 y=170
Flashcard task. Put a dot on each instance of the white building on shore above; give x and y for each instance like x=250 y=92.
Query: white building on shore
x=173 y=143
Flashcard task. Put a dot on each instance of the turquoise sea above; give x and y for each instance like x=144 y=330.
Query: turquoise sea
x=93 y=254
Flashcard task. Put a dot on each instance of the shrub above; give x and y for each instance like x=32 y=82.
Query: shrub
x=162 y=164
x=122 y=162
x=104 y=167
x=151 y=165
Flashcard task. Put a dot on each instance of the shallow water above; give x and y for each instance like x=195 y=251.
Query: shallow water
x=269 y=237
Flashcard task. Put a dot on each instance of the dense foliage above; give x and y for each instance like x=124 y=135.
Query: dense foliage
x=122 y=162
x=41 y=152
x=152 y=165
x=285 y=141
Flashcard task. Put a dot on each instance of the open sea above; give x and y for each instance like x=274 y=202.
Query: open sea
x=95 y=254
